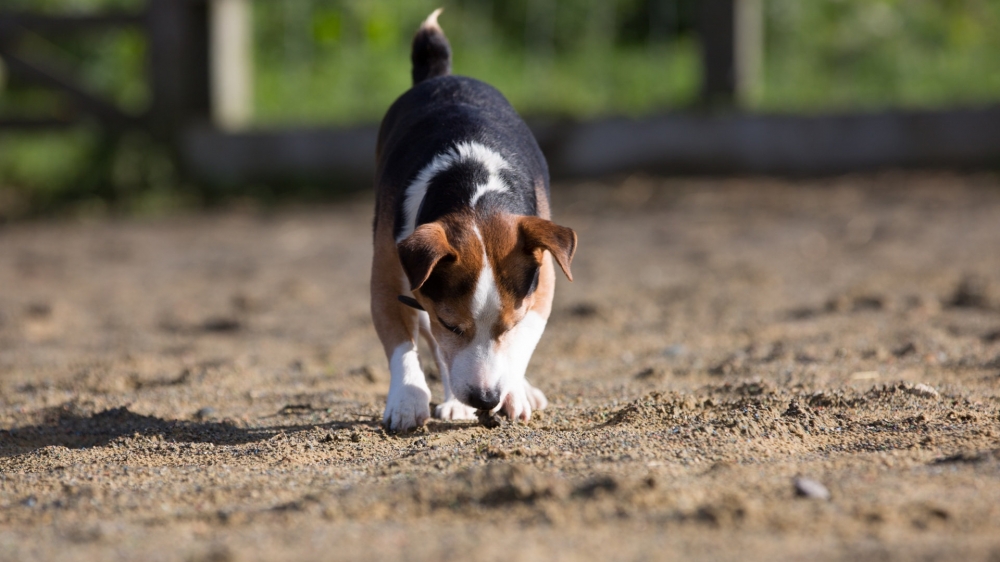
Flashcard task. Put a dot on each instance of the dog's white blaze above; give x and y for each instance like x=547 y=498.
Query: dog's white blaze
x=485 y=304
x=478 y=364
x=461 y=152
x=487 y=362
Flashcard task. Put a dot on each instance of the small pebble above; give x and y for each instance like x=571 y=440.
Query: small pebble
x=205 y=413
x=221 y=325
x=923 y=390
x=794 y=410
x=647 y=374
x=676 y=350
x=584 y=310
x=809 y=488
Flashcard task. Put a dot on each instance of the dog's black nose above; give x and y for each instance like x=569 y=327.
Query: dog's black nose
x=482 y=398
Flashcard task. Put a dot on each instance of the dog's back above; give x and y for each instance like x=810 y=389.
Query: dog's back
x=461 y=124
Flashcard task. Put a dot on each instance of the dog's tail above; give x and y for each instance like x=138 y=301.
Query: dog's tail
x=431 y=53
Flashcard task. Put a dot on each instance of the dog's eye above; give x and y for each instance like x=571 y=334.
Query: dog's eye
x=453 y=329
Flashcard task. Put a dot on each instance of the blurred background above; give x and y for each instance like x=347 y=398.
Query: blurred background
x=136 y=106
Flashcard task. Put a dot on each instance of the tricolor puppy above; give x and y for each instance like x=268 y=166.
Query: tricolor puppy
x=463 y=244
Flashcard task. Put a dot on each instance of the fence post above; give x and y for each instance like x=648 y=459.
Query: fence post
x=749 y=42
x=731 y=33
x=179 y=65
x=232 y=63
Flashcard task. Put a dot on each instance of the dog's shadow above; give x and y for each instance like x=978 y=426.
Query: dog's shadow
x=77 y=430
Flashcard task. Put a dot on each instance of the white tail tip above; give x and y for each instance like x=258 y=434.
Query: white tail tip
x=432 y=20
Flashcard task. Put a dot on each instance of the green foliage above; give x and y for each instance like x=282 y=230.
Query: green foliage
x=84 y=170
x=840 y=54
x=43 y=160
x=110 y=63
x=345 y=62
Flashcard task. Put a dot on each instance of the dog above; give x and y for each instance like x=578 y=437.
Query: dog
x=463 y=244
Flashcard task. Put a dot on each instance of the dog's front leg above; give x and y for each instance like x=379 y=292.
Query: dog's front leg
x=520 y=397
x=451 y=408
x=408 y=404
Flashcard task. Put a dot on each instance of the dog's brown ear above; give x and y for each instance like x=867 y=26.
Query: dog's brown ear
x=541 y=234
x=421 y=251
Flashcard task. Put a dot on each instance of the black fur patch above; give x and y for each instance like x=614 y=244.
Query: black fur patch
x=430 y=55
x=451 y=190
x=431 y=119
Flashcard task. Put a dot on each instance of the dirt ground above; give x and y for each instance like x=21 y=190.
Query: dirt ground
x=210 y=387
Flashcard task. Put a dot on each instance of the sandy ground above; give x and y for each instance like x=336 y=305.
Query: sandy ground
x=209 y=387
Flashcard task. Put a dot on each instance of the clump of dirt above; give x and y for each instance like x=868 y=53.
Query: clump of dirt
x=976 y=291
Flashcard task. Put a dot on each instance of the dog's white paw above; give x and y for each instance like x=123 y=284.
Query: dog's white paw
x=407 y=407
x=535 y=397
x=516 y=404
x=454 y=410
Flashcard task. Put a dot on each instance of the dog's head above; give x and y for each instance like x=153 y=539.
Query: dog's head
x=476 y=276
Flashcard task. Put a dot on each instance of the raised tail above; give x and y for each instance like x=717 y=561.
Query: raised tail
x=431 y=53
